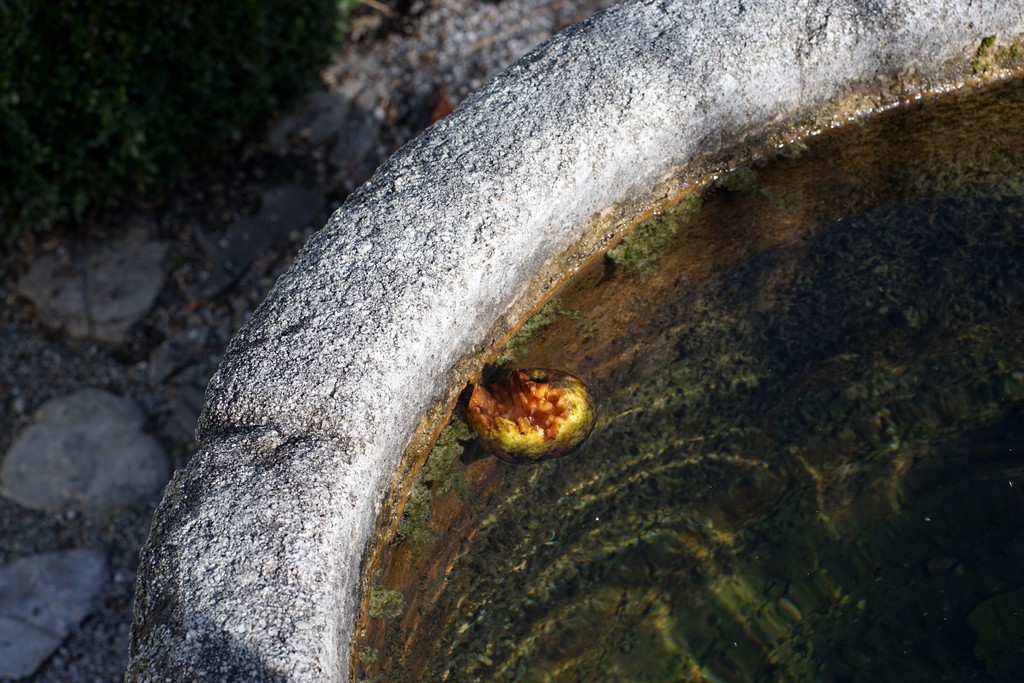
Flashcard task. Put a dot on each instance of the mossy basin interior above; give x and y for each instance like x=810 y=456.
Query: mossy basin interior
x=809 y=457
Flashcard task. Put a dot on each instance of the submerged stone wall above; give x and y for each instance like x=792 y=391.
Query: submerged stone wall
x=252 y=568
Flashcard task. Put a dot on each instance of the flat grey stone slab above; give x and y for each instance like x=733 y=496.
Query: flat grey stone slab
x=85 y=451
x=42 y=598
x=183 y=405
x=101 y=291
x=284 y=208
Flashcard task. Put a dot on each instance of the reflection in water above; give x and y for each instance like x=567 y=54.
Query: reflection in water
x=808 y=465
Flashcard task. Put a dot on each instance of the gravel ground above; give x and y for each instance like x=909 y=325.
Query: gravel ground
x=404 y=67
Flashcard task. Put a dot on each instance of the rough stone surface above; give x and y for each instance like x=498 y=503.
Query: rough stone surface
x=42 y=597
x=84 y=451
x=321 y=390
x=101 y=292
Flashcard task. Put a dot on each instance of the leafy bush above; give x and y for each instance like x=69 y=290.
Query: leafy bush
x=103 y=98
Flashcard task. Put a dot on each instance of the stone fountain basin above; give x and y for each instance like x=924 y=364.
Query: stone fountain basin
x=252 y=569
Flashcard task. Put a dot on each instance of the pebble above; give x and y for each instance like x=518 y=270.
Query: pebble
x=100 y=290
x=42 y=598
x=85 y=451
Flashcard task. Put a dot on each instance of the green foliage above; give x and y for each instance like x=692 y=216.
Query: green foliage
x=105 y=98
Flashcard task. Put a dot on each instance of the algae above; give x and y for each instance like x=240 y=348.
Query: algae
x=745 y=179
x=764 y=457
x=792 y=150
x=640 y=250
x=386 y=603
x=441 y=474
x=517 y=348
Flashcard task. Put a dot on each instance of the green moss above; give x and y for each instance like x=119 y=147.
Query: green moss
x=415 y=524
x=441 y=470
x=792 y=150
x=439 y=475
x=516 y=349
x=386 y=603
x=745 y=180
x=639 y=250
x=982 y=61
x=989 y=57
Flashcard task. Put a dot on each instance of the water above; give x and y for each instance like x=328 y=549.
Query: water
x=809 y=460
